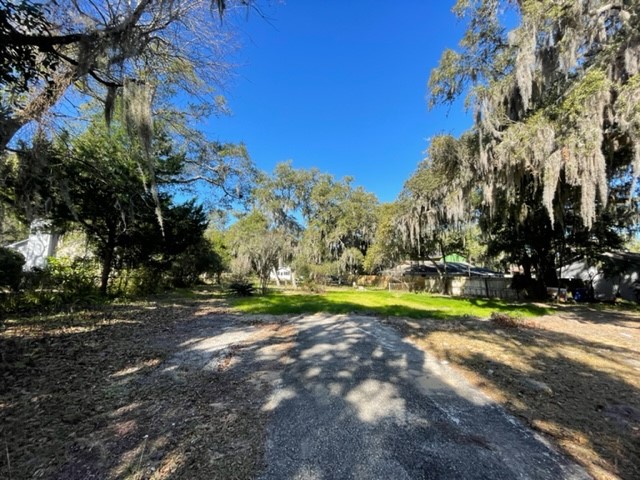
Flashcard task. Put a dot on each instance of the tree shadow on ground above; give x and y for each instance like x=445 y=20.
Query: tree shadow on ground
x=501 y=306
x=97 y=395
x=171 y=390
x=601 y=314
x=357 y=402
x=585 y=394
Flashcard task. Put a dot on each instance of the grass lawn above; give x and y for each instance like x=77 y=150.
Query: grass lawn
x=383 y=303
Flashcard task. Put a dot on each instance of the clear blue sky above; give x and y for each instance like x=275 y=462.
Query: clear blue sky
x=341 y=86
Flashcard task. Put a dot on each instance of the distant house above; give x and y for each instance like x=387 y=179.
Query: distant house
x=612 y=274
x=283 y=273
x=454 y=268
x=40 y=245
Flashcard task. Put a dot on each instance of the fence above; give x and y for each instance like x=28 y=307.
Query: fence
x=492 y=287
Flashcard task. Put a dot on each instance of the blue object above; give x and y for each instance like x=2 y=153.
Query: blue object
x=580 y=294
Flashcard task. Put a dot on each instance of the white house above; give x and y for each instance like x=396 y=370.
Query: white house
x=40 y=245
x=283 y=273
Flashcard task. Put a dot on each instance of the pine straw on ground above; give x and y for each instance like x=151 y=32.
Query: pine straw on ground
x=574 y=376
x=86 y=396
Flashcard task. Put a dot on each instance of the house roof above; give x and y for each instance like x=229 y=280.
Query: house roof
x=453 y=268
x=19 y=244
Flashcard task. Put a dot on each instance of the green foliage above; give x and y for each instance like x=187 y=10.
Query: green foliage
x=115 y=48
x=351 y=261
x=633 y=245
x=93 y=182
x=22 y=65
x=73 y=277
x=257 y=246
x=139 y=281
x=434 y=211
x=219 y=248
x=305 y=219
x=11 y=263
x=62 y=284
x=186 y=267
x=554 y=152
x=12 y=229
x=309 y=284
x=386 y=249
x=284 y=194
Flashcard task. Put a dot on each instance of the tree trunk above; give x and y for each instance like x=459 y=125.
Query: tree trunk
x=442 y=278
x=526 y=266
x=107 y=262
x=9 y=126
x=547 y=266
x=11 y=122
x=445 y=287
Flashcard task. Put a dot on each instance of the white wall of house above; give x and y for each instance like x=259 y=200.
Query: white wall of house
x=40 y=245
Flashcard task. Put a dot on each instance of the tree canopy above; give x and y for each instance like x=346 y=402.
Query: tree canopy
x=555 y=99
x=142 y=50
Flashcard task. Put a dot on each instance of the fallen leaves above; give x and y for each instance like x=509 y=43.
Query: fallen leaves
x=83 y=395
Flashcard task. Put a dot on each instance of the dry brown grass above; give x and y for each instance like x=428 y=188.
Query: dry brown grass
x=85 y=396
x=575 y=377
x=504 y=320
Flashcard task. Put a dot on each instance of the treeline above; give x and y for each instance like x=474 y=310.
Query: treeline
x=547 y=173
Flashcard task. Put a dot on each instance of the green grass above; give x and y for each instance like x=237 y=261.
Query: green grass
x=383 y=303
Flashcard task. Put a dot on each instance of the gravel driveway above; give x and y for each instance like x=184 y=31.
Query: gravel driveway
x=357 y=401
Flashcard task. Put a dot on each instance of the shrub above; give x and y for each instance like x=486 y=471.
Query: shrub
x=186 y=268
x=11 y=263
x=61 y=284
x=75 y=278
x=310 y=285
x=138 y=281
x=241 y=286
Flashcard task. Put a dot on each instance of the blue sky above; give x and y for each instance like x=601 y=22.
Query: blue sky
x=341 y=86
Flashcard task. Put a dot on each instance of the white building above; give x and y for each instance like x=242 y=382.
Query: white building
x=40 y=245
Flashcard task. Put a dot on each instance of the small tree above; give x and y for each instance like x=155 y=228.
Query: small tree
x=257 y=246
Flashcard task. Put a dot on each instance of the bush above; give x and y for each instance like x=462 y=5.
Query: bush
x=137 y=281
x=186 y=268
x=11 y=263
x=241 y=286
x=61 y=284
x=310 y=285
x=74 y=278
